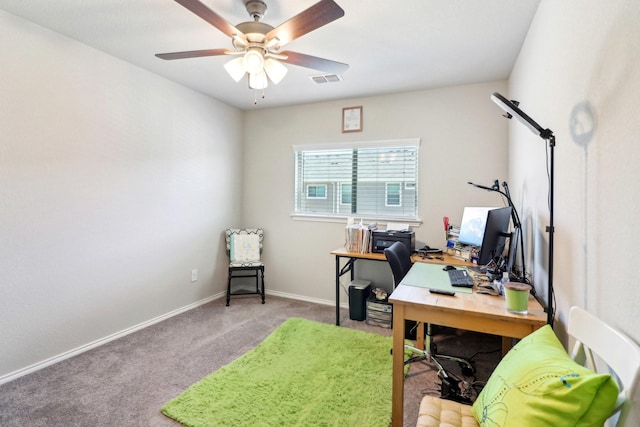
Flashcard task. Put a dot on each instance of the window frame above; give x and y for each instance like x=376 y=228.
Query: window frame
x=308 y=186
x=386 y=194
x=381 y=218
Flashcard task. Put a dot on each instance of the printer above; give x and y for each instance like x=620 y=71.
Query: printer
x=384 y=238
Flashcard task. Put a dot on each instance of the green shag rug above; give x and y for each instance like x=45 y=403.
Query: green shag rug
x=304 y=374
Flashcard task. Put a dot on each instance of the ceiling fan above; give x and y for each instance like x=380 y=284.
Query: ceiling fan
x=258 y=44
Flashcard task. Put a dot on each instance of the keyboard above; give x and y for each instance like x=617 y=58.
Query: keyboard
x=460 y=278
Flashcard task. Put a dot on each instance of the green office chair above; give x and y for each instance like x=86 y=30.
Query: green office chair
x=244 y=247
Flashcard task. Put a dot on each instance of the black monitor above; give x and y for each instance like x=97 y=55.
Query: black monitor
x=513 y=249
x=496 y=232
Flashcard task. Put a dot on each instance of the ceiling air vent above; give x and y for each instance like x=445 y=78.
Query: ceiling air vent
x=326 y=78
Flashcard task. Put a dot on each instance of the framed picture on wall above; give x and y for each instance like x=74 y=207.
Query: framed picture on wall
x=352 y=119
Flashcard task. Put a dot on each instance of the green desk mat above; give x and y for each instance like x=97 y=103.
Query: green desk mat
x=432 y=276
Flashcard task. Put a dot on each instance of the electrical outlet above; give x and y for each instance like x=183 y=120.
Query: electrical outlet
x=194 y=275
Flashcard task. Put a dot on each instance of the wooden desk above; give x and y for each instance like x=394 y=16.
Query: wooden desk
x=353 y=256
x=472 y=312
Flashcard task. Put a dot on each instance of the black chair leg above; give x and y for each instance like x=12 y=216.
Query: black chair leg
x=258 y=275
x=262 y=292
x=229 y=288
x=257 y=284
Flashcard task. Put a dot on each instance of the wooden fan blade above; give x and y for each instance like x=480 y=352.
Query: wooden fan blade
x=314 y=62
x=210 y=16
x=192 y=54
x=306 y=21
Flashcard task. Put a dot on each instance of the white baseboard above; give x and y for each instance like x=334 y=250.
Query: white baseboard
x=78 y=350
x=74 y=352
x=307 y=299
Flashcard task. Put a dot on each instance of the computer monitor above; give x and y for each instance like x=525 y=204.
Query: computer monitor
x=496 y=231
x=473 y=225
x=513 y=249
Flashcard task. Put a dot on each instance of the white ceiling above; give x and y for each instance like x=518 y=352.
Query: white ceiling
x=390 y=46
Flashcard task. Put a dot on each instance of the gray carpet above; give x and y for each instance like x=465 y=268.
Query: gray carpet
x=127 y=381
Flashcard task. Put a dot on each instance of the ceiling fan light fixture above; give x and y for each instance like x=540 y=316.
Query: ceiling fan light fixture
x=253 y=61
x=235 y=68
x=258 y=80
x=275 y=55
x=272 y=44
x=238 y=42
x=275 y=70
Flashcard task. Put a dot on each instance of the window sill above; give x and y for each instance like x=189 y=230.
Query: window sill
x=343 y=219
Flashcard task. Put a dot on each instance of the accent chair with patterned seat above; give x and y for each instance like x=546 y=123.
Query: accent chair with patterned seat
x=244 y=247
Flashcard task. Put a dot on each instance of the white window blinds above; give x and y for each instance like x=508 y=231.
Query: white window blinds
x=376 y=180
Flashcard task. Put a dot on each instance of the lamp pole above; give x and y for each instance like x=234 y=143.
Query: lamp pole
x=551 y=140
x=511 y=110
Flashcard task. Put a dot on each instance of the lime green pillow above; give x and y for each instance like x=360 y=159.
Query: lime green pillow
x=538 y=384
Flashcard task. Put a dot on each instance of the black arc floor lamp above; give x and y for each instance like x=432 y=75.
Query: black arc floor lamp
x=511 y=110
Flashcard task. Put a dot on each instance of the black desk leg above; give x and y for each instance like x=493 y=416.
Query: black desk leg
x=348 y=267
x=337 y=290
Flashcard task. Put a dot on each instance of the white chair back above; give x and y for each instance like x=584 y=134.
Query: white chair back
x=597 y=342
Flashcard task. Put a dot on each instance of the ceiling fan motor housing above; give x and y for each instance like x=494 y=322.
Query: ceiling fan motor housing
x=254 y=30
x=256 y=8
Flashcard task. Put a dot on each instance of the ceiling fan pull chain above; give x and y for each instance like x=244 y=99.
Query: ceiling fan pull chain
x=255 y=96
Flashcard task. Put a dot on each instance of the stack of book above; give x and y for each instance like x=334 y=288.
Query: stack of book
x=358 y=237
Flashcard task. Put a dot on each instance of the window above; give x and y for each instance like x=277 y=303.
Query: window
x=374 y=180
x=345 y=193
x=393 y=194
x=316 y=191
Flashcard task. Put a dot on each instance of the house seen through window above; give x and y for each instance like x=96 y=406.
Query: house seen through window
x=374 y=180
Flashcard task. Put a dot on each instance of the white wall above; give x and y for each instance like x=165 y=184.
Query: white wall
x=463 y=139
x=581 y=52
x=114 y=184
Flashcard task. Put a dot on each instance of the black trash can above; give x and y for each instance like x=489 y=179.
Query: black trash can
x=359 y=291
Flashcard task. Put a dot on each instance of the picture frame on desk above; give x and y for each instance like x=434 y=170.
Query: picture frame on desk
x=352 y=119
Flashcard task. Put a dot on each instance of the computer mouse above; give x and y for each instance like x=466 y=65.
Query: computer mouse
x=449 y=267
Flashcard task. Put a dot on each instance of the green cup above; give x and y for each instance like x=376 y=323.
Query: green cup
x=517 y=297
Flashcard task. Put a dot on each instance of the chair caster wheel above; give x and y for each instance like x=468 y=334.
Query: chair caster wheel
x=467 y=370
